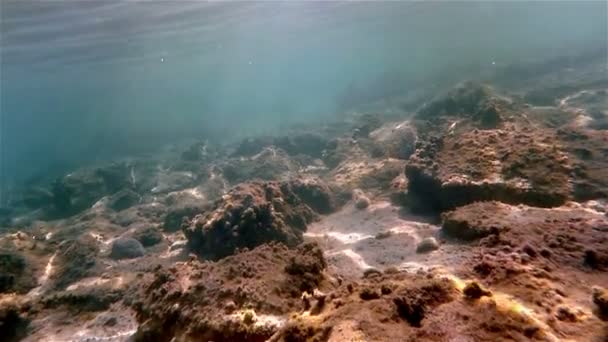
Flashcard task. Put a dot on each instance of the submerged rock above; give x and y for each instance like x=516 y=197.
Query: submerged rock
x=148 y=236
x=473 y=290
x=258 y=289
x=81 y=189
x=15 y=272
x=178 y=215
x=600 y=299
x=415 y=302
x=395 y=140
x=306 y=143
x=508 y=165
x=75 y=260
x=13 y=323
x=428 y=244
x=361 y=201
x=253 y=213
x=123 y=199
x=470 y=100
x=269 y=164
x=126 y=248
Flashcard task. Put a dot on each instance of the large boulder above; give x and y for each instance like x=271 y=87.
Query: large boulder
x=234 y=299
x=515 y=164
x=254 y=213
x=476 y=145
x=571 y=236
x=126 y=248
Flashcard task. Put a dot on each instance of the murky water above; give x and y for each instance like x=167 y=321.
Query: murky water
x=86 y=80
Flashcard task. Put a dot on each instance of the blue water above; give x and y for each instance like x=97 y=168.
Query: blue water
x=88 y=80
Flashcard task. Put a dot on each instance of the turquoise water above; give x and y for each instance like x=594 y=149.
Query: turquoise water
x=88 y=80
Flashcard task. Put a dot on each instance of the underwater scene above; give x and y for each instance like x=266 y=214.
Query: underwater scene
x=183 y=170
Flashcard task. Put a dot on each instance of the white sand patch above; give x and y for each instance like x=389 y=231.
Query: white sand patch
x=174 y=250
x=88 y=335
x=258 y=320
x=115 y=283
x=100 y=205
x=104 y=244
x=346 y=238
x=194 y=192
x=354 y=256
x=48 y=270
x=415 y=267
x=582 y=120
x=44 y=278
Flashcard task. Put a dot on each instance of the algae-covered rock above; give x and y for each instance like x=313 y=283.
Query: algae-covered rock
x=75 y=260
x=253 y=213
x=123 y=199
x=126 y=248
x=15 y=272
x=148 y=236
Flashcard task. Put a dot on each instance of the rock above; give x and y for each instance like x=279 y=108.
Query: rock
x=37 y=197
x=366 y=124
x=586 y=150
x=368 y=294
x=564 y=313
x=473 y=290
x=428 y=244
x=252 y=146
x=306 y=143
x=13 y=324
x=507 y=165
x=600 y=299
x=337 y=151
x=501 y=229
x=148 y=236
x=123 y=199
x=81 y=189
x=15 y=272
x=383 y=235
x=474 y=145
x=395 y=140
x=267 y=280
x=270 y=164
x=178 y=215
x=200 y=152
x=415 y=302
x=597 y=259
x=469 y=100
x=251 y=214
x=316 y=194
x=75 y=260
x=371 y=272
x=126 y=248
x=373 y=175
x=174 y=180
x=83 y=299
x=475 y=221
x=361 y=201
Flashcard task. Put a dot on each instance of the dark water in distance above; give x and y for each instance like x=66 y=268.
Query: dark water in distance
x=87 y=80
